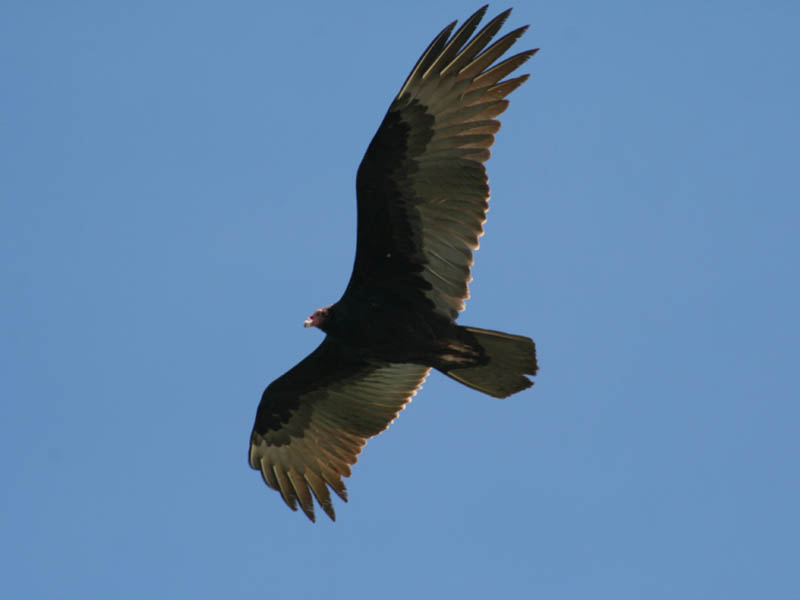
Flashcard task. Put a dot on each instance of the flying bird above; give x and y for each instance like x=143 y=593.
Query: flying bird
x=422 y=196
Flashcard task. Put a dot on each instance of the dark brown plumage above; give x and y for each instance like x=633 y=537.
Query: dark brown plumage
x=422 y=201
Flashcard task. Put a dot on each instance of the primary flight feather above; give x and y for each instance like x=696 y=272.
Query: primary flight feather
x=422 y=200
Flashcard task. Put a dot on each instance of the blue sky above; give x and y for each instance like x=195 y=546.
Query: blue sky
x=177 y=195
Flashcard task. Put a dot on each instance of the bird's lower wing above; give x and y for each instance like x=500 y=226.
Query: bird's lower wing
x=313 y=422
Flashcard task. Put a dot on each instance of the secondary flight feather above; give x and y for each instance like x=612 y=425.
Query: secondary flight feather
x=422 y=199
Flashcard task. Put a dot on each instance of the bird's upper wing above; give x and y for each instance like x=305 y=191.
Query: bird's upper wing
x=313 y=421
x=422 y=187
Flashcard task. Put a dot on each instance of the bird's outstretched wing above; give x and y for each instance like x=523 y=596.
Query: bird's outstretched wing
x=422 y=187
x=313 y=421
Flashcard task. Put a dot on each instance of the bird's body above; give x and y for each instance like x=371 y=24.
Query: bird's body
x=387 y=328
x=422 y=198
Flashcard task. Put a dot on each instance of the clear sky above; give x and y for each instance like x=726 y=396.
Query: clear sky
x=177 y=195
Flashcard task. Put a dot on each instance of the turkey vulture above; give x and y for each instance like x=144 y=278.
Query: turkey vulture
x=422 y=200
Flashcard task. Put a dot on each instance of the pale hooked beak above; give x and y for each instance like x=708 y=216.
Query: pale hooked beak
x=308 y=322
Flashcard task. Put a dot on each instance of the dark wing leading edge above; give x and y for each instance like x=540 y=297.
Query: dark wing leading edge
x=422 y=187
x=313 y=421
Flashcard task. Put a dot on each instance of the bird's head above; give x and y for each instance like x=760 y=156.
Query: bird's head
x=319 y=318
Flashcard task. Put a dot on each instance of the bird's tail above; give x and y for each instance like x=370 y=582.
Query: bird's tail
x=510 y=358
